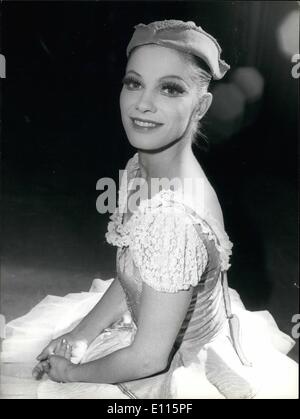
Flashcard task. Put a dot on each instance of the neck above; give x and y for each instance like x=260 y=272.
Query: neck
x=166 y=163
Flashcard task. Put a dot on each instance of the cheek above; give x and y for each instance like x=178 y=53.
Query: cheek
x=122 y=100
x=127 y=103
x=180 y=113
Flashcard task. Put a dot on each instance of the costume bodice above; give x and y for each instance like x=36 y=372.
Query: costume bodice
x=170 y=246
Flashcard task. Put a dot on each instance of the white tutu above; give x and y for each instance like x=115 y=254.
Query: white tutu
x=274 y=374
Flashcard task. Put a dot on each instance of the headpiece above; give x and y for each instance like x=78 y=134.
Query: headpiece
x=183 y=36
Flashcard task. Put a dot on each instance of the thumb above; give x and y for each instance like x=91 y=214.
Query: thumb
x=48 y=350
x=44 y=354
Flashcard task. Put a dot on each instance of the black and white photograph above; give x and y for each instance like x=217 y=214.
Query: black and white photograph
x=149 y=202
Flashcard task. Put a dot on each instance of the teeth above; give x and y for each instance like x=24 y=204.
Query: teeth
x=144 y=124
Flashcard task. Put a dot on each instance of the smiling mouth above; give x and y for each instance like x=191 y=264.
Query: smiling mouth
x=144 y=124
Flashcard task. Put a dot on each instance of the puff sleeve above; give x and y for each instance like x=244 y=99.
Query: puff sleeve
x=168 y=251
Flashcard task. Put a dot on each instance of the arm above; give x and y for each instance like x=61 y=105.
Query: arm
x=160 y=319
x=108 y=310
x=169 y=271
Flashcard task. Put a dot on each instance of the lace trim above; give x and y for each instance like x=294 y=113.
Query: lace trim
x=119 y=233
x=167 y=250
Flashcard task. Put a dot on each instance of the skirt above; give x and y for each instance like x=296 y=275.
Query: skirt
x=213 y=372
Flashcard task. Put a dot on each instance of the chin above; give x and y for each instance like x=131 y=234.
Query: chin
x=147 y=142
x=151 y=146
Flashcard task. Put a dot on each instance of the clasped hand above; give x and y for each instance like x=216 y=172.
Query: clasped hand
x=55 y=361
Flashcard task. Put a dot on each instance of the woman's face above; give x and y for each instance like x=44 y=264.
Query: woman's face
x=158 y=97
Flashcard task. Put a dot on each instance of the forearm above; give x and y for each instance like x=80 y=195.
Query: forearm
x=109 y=309
x=122 y=365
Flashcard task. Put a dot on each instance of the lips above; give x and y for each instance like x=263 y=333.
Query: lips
x=144 y=124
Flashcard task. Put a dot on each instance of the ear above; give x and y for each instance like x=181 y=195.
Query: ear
x=204 y=104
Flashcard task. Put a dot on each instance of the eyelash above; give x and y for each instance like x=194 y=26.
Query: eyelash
x=167 y=85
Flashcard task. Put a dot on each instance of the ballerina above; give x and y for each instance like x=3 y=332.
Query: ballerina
x=167 y=325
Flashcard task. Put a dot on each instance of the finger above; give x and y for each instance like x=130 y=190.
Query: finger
x=68 y=352
x=52 y=362
x=57 y=347
x=43 y=355
x=46 y=352
x=38 y=371
x=46 y=366
x=62 y=347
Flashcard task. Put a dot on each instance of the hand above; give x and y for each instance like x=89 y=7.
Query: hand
x=40 y=369
x=63 y=350
x=59 y=368
x=55 y=346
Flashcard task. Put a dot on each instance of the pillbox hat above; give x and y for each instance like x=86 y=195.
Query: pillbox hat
x=183 y=36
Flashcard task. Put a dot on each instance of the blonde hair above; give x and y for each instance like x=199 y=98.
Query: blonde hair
x=201 y=75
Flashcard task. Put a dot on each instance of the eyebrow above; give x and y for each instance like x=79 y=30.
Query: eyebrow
x=162 y=78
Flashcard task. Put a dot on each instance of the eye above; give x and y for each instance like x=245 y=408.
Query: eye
x=131 y=83
x=173 y=89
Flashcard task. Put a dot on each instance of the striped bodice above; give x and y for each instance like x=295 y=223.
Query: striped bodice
x=206 y=314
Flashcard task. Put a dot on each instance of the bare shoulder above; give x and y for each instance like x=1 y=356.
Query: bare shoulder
x=212 y=203
x=207 y=195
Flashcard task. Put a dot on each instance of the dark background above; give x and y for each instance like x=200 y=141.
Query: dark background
x=61 y=132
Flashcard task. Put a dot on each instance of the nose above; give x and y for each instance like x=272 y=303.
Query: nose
x=145 y=102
